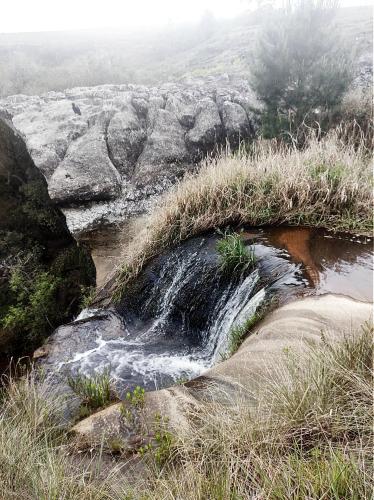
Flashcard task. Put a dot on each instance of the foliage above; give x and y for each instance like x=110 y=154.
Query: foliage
x=41 y=268
x=134 y=401
x=34 y=300
x=96 y=391
x=302 y=67
x=136 y=397
x=88 y=293
x=31 y=298
x=234 y=255
x=164 y=441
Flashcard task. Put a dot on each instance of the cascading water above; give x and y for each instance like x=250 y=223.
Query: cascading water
x=176 y=320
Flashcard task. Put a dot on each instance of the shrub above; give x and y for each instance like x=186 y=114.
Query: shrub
x=36 y=300
x=301 y=68
x=234 y=255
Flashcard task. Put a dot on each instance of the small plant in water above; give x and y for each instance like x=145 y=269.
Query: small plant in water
x=95 y=391
x=238 y=333
x=234 y=255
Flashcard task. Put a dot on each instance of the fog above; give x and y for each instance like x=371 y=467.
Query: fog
x=148 y=43
x=44 y=15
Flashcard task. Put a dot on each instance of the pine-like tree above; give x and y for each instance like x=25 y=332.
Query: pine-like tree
x=302 y=67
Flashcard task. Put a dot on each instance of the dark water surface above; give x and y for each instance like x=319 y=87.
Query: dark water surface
x=331 y=263
x=176 y=321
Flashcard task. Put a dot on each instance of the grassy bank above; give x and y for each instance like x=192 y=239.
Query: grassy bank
x=310 y=437
x=327 y=184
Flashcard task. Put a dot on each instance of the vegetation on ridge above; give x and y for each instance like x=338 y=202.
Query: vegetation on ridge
x=325 y=184
x=302 y=67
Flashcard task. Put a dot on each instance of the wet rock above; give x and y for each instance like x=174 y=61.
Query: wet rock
x=64 y=353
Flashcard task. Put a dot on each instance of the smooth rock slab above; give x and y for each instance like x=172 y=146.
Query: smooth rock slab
x=294 y=327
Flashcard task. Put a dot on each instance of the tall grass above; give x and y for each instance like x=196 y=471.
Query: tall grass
x=96 y=391
x=234 y=255
x=38 y=459
x=310 y=436
x=327 y=184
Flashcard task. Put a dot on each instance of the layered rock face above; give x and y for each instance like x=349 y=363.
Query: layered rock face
x=42 y=269
x=113 y=149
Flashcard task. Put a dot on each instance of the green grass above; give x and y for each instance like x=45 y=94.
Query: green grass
x=234 y=255
x=96 y=391
x=238 y=333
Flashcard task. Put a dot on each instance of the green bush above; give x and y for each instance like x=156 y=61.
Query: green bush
x=302 y=68
x=35 y=300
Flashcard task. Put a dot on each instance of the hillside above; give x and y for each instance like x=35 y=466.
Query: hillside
x=33 y=63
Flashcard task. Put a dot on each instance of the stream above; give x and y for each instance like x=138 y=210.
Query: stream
x=176 y=321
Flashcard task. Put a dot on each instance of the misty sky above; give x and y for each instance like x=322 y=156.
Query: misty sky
x=51 y=15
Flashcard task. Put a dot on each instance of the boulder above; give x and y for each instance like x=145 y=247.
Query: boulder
x=207 y=131
x=86 y=173
x=236 y=123
x=165 y=153
x=126 y=138
x=183 y=107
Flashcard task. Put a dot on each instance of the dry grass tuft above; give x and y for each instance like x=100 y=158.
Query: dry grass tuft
x=35 y=460
x=327 y=184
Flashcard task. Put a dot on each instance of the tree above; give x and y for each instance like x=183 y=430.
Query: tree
x=302 y=68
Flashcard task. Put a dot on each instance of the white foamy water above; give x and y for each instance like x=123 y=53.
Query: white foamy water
x=134 y=360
